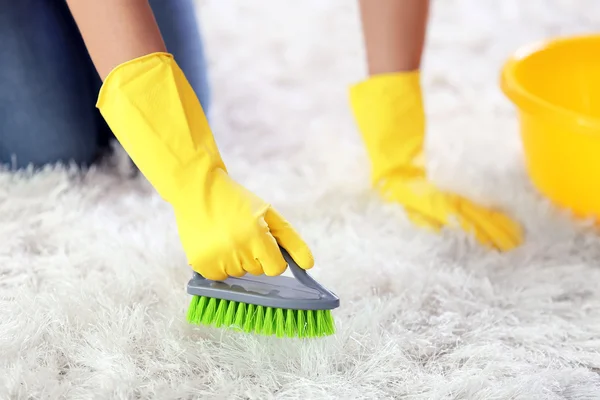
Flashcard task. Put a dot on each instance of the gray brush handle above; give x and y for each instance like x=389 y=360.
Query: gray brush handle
x=299 y=274
x=300 y=292
x=302 y=276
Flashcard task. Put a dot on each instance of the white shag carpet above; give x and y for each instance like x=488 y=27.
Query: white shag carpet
x=92 y=277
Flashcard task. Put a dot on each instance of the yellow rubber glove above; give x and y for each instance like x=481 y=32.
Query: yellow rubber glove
x=225 y=230
x=389 y=113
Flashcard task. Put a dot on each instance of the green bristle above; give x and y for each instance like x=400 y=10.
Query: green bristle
x=221 y=311
x=250 y=316
x=240 y=313
x=209 y=312
x=290 y=323
x=279 y=323
x=259 y=319
x=230 y=314
x=197 y=308
x=301 y=323
x=202 y=304
x=329 y=324
x=311 y=324
x=268 y=323
x=192 y=308
x=320 y=317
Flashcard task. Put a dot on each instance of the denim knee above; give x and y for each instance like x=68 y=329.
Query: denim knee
x=49 y=84
x=48 y=87
x=65 y=148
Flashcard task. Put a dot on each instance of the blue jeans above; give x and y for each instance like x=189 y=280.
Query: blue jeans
x=49 y=86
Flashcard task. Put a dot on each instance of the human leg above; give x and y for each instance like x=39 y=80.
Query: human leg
x=394 y=34
x=48 y=88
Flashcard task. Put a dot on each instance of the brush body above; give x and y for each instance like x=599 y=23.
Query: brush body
x=295 y=306
x=260 y=320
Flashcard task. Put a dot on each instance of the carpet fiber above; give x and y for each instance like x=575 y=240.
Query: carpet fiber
x=92 y=276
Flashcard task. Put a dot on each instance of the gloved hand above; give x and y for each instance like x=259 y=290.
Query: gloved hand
x=389 y=113
x=225 y=230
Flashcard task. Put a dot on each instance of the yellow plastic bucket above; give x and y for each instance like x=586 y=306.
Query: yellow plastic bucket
x=555 y=86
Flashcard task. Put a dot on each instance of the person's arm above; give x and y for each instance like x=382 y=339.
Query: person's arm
x=116 y=31
x=394 y=33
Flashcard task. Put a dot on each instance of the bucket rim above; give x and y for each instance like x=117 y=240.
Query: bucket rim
x=527 y=101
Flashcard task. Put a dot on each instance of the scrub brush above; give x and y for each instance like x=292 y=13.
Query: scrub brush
x=280 y=305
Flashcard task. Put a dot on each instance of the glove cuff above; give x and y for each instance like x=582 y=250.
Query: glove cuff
x=389 y=113
x=155 y=114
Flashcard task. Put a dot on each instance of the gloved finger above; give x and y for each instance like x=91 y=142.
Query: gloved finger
x=287 y=237
x=250 y=265
x=503 y=239
x=489 y=226
x=510 y=227
x=213 y=274
x=235 y=268
x=468 y=221
x=267 y=254
x=423 y=220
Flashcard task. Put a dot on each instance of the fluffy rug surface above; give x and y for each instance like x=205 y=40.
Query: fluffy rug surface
x=92 y=276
